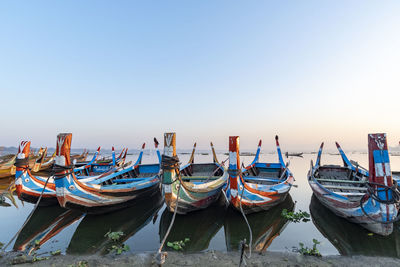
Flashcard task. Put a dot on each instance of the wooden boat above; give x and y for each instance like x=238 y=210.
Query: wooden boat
x=358 y=168
x=287 y=154
x=45 y=223
x=258 y=186
x=351 y=194
x=90 y=235
x=103 y=193
x=44 y=163
x=80 y=157
x=29 y=187
x=199 y=226
x=350 y=238
x=265 y=226
x=193 y=186
x=119 y=161
x=7 y=168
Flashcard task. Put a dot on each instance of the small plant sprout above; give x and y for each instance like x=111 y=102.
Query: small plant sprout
x=114 y=236
x=117 y=247
x=178 y=245
x=300 y=216
x=303 y=250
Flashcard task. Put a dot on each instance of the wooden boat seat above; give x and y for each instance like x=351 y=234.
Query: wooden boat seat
x=351 y=188
x=340 y=181
x=262 y=178
x=128 y=180
x=189 y=178
x=148 y=174
x=264 y=174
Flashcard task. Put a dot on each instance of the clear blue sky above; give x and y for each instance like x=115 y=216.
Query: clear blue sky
x=121 y=72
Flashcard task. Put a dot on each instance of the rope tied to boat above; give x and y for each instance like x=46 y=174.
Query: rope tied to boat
x=30 y=214
x=243 y=244
x=169 y=163
x=372 y=192
x=60 y=171
x=22 y=163
x=234 y=172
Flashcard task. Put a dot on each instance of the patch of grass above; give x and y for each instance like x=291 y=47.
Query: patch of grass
x=114 y=236
x=309 y=251
x=37 y=258
x=178 y=245
x=117 y=247
x=80 y=264
x=300 y=216
x=55 y=253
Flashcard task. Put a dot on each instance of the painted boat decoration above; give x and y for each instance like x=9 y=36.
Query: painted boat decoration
x=103 y=193
x=350 y=193
x=259 y=186
x=199 y=226
x=198 y=185
x=265 y=226
x=350 y=238
x=90 y=235
x=29 y=187
x=45 y=223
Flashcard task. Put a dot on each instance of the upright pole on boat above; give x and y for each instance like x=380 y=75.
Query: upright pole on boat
x=215 y=159
x=21 y=163
x=169 y=173
x=232 y=193
x=157 y=150
x=279 y=151
x=63 y=149
x=191 y=160
x=379 y=165
x=318 y=161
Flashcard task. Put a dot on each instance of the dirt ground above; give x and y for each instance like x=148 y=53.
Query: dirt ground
x=209 y=258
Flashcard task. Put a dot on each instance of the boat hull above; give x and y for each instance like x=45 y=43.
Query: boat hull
x=94 y=199
x=351 y=210
x=29 y=188
x=189 y=200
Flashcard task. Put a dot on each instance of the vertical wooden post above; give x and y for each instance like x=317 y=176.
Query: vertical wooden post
x=63 y=149
x=379 y=163
x=170 y=151
x=234 y=159
x=191 y=160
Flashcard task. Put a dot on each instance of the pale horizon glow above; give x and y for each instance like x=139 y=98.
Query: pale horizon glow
x=121 y=73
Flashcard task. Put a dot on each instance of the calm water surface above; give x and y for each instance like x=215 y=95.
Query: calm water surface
x=217 y=228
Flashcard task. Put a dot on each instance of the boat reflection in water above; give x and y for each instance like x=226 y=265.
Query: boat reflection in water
x=90 y=237
x=45 y=223
x=265 y=226
x=199 y=226
x=350 y=238
x=7 y=188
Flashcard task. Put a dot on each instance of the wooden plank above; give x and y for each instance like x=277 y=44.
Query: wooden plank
x=345 y=187
x=349 y=193
x=185 y=178
x=340 y=181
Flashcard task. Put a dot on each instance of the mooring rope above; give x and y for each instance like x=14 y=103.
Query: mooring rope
x=238 y=172
x=169 y=163
x=250 y=232
x=372 y=192
x=30 y=215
